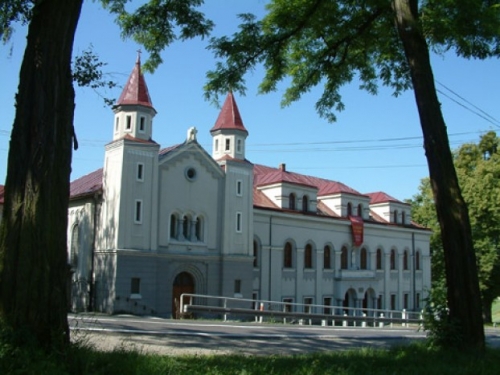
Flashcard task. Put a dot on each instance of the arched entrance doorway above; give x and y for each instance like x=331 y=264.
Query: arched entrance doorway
x=183 y=283
x=369 y=302
x=349 y=302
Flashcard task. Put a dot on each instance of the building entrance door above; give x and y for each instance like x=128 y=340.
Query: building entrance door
x=183 y=283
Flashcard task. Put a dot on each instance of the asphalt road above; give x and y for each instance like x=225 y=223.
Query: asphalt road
x=174 y=337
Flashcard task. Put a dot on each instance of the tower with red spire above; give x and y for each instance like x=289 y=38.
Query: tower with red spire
x=134 y=110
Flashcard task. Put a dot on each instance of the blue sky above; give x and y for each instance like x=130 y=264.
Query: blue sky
x=375 y=145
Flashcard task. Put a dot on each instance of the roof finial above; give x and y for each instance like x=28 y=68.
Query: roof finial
x=138 y=56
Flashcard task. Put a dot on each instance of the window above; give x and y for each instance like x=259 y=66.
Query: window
x=327 y=260
x=363 y=260
x=255 y=254
x=216 y=145
x=405 y=260
x=395 y=216
x=287 y=304
x=237 y=286
x=238 y=146
x=185 y=227
x=129 y=123
x=343 y=258
x=138 y=212
x=360 y=210
x=379 y=259
x=379 y=302
x=117 y=124
x=239 y=188
x=417 y=260
x=393 y=259
x=173 y=226
x=199 y=229
x=417 y=301
x=238 y=222
x=142 y=124
x=308 y=301
x=403 y=217
x=228 y=144
x=287 y=259
x=305 y=203
x=349 y=209
x=73 y=257
x=190 y=174
x=393 y=302
x=291 y=201
x=327 y=301
x=135 y=285
x=140 y=172
x=405 y=301
x=308 y=256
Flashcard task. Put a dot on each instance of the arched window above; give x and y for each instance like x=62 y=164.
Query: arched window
x=199 y=229
x=395 y=219
x=73 y=258
x=364 y=259
x=185 y=226
x=403 y=217
x=349 y=209
x=327 y=258
x=308 y=256
x=417 y=260
x=287 y=259
x=291 y=201
x=255 y=254
x=344 y=258
x=173 y=226
x=393 y=259
x=360 y=210
x=405 y=260
x=379 y=259
x=305 y=203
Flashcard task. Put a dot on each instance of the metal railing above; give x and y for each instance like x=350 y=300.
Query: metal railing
x=289 y=312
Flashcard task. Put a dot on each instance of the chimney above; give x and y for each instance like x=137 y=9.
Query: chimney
x=282 y=167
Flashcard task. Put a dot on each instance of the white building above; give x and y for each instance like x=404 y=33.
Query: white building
x=154 y=223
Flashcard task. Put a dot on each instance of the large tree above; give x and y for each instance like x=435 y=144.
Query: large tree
x=33 y=258
x=330 y=42
x=478 y=170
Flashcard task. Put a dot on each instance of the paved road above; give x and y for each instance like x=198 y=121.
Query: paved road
x=168 y=336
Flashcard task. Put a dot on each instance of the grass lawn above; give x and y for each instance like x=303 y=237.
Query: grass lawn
x=495 y=311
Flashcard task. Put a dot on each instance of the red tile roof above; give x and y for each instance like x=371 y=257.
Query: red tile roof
x=264 y=175
x=381 y=197
x=86 y=185
x=229 y=116
x=135 y=91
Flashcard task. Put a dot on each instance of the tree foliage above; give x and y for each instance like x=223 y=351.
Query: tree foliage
x=333 y=42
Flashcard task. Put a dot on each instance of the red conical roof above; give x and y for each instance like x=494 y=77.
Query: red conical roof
x=229 y=116
x=135 y=91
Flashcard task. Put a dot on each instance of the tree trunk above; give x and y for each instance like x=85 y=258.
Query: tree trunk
x=463 y=294
x=33 y=258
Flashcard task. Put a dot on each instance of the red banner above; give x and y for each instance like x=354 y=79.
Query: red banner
x=357 y=229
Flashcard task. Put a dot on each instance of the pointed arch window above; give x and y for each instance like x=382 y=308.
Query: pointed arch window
x=199 y=228
x=308 y=257
x=344 y=258
x=291 y=201
x=403 y=217
x=405 y=260
x=364 y=259
x=379 y=259
x=327 y=258
x=185 y=226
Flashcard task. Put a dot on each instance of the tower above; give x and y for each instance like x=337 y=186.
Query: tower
x=131 y=170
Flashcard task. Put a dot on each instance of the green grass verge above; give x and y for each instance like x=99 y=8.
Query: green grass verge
x=411 y=359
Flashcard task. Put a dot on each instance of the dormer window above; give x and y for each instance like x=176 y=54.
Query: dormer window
x=228 y=144
x=403 y=217
x=238 y=145
x=305 y=203
x=117 y=124
x=395 y=216
x=291 y=201
x=349 y=209
x=216 y=145
x=360 y=210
